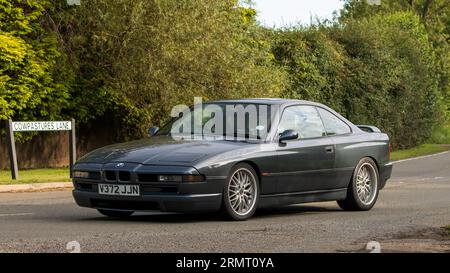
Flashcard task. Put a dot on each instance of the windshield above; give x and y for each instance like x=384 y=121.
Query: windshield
x=224 y=120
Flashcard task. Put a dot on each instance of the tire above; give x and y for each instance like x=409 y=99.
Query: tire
x=240 y=193
x=362 y=193
x=115 y=213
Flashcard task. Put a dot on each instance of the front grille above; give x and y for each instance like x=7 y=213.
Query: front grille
x=110 y=175
x=124 y=176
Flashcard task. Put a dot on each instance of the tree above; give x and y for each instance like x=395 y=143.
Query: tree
x=32 y=83
x=137 y=59
x=378 y=70
x=434 y=15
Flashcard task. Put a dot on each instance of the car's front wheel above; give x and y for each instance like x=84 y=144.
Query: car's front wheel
x=363 y=190
x=115 y=213
x=241 y=193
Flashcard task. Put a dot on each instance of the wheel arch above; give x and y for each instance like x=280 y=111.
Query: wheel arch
x=375 y=161
x=254 y=166
x=356 y=165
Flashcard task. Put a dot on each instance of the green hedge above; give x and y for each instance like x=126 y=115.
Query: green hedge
x=379 y=70
x=132 y=61
x=32 y=83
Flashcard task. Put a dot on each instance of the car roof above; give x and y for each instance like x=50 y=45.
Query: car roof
x=274 y=101
x=279 y=102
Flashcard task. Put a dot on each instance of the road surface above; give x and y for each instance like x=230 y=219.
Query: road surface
x=408 y=217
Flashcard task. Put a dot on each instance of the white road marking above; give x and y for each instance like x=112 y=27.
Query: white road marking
x=420 y=157
x=16 y=214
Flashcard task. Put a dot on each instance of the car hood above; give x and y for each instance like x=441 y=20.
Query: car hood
x=160 y=150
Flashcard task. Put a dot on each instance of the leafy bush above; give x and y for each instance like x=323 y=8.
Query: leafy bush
x=379 y=70
x=315 y=65
x=132 y=61
x=32 y=85
x=140 y=58
x=441 y=134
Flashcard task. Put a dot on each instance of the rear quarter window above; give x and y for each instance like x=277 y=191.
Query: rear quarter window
x=333 y=125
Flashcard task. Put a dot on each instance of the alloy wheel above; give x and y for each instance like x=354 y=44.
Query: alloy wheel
x=242 y=191
x=366 y=183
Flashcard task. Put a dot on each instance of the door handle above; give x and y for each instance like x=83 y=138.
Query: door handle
x=329 y=149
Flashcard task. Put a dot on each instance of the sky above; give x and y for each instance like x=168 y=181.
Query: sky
x=281 y=13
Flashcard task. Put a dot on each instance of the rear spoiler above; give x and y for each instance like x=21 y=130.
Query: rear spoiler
x=369 y=129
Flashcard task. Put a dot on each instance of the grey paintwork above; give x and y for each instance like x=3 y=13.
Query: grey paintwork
x=309 y=166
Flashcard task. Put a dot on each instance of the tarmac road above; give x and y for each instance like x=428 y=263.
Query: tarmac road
x=408 y=216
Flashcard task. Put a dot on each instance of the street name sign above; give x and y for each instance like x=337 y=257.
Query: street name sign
x=40 y=126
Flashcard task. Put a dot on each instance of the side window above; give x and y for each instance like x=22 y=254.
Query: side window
x=333 y=125
x=304 y=119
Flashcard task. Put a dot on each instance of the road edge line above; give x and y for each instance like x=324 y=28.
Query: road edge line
x=420 y=157
x=34 y=187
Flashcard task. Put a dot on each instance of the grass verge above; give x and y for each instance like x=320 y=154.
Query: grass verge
x=424 y=149
x=447 y=229
x=36 y=176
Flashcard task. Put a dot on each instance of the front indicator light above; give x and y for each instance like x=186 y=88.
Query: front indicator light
x=193 y=178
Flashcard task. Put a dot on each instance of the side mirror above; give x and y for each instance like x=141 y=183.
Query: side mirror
x=153 y=130
x=288 y=135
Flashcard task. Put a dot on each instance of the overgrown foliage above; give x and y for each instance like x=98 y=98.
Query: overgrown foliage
x=378 y=70
x=132 y=61
x=32 y=85
x=140 y=58
x=433 y=14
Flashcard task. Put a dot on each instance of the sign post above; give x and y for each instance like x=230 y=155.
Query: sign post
x=12 y=150
x=39 y=126
x=72 y=147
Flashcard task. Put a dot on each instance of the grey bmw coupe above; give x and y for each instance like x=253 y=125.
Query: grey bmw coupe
x=235 y=156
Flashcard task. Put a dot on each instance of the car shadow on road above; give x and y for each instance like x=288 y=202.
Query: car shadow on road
x=177 y=218
x=293 y=209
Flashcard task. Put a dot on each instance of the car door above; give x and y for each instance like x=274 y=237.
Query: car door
x=306 y=163
x=340 y=134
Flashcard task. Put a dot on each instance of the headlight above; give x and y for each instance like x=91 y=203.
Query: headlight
x=170 y=178
x=94 y=175
x=181 y=178
x=80 y=174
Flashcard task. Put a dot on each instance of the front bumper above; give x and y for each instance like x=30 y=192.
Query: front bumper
x=163 y=196
x=161 y=202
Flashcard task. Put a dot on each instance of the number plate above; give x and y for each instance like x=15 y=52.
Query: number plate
x=122 y=190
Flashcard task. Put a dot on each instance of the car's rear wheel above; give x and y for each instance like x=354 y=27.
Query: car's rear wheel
x=363 y=190
x=241 y=193
x=115 y=213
